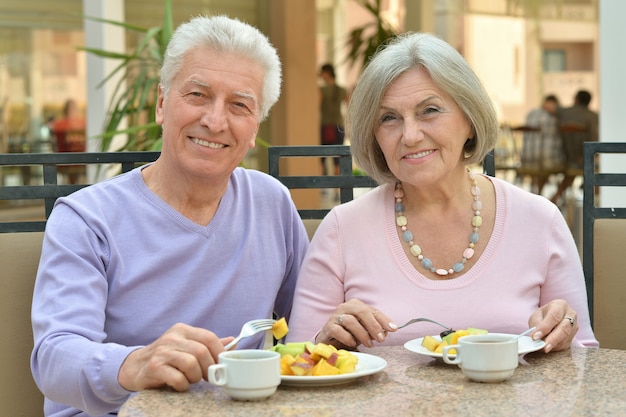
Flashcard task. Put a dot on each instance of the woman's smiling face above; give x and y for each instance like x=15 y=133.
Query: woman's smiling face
x=420 y=129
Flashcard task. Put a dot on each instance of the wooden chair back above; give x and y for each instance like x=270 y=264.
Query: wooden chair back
x=534 y=160
x=508 y=149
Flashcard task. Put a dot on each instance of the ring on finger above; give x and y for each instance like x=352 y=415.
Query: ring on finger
x=340 y=319
x=571 y=320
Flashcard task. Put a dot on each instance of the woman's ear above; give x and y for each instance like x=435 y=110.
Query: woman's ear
x=469 y=146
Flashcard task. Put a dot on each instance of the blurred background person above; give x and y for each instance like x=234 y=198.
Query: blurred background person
x=332 y=96
x=577 y=124
x=69 y=136
x=543 y=148
x=69 y=130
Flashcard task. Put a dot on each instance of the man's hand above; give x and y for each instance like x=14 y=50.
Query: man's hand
x=180 y=357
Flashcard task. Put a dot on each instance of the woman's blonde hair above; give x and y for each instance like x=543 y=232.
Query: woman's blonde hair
x=448 y=70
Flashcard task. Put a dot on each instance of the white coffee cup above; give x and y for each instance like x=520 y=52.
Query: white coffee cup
x=490 y=357
x=247 y=374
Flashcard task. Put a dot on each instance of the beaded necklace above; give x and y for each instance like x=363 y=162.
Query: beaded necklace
x=416 y=251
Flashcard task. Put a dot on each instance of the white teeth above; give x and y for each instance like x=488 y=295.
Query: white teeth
x=207 y=143
x=418 y=155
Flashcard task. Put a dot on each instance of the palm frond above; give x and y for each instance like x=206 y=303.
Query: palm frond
x=136 y=78
x=363 y=41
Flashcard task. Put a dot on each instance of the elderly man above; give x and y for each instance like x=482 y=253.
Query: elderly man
x=145 y=277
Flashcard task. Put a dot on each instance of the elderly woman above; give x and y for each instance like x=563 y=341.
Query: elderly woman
x=434 y=239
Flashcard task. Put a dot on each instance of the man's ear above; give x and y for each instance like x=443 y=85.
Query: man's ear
x=253 y=140
x=159 y=105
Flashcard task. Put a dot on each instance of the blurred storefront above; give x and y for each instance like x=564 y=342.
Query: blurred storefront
x=521 y=49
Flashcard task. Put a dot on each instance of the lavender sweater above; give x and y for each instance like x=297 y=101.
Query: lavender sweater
x=119 y=267
x=530 y=260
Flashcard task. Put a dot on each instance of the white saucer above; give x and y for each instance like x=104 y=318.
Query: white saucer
x=526 y=345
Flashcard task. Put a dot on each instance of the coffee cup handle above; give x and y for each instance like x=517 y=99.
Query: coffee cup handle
x=449 y=360
x=217 y=374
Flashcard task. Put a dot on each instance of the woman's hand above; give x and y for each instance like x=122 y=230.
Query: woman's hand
x=354 y=323
x=179 y=357
x=556 y=323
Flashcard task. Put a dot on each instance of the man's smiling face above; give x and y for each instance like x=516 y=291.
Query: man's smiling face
x=211 y=114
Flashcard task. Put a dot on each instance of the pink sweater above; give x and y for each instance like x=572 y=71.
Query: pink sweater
x=530 y=260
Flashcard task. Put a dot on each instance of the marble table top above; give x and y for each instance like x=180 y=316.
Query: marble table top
x=575 y=382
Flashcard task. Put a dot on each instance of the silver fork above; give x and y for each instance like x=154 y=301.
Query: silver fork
x=424 y=319
x=251 y=328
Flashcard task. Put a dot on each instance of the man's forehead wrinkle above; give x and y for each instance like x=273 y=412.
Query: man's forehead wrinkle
x=241 y=94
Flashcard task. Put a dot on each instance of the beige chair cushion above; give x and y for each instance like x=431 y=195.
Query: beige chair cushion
x=311 y=226
x=19 y=257
x=609 y=282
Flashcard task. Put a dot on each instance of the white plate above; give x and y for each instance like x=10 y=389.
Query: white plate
x=525 y=345
x=367 y=365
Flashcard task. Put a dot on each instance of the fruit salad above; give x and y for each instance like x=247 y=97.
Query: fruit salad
x=314 y=359
x=434 y=345
x=308 y=358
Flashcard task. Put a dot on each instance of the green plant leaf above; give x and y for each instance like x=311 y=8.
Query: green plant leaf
x=124 y=25
x=136 y=77
x=363 y=42
x=263 y=143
